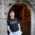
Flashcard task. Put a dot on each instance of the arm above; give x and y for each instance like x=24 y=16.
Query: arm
x=19 y=26
x=9 y=28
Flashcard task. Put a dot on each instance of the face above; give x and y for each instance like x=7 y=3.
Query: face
x=12 y=14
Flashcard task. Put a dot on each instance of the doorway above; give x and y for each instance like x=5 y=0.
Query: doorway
x=23 y=13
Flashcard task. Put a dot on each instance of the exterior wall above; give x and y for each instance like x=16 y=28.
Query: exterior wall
x=4 y=8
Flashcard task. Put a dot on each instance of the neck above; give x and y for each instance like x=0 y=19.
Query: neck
x=12 y=17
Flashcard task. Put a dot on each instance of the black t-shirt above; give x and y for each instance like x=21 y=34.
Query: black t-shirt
x=13 y=23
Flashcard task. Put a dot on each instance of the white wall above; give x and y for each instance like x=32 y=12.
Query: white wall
x=32 y=22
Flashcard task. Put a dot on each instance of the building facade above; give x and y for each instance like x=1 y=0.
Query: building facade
x=5 y=5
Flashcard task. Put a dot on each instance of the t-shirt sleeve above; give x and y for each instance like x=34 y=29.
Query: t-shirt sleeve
x=8 y=23
x=18 y=21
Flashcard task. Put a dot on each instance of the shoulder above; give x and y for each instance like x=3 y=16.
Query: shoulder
x=16 y=18
x=8 y=20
